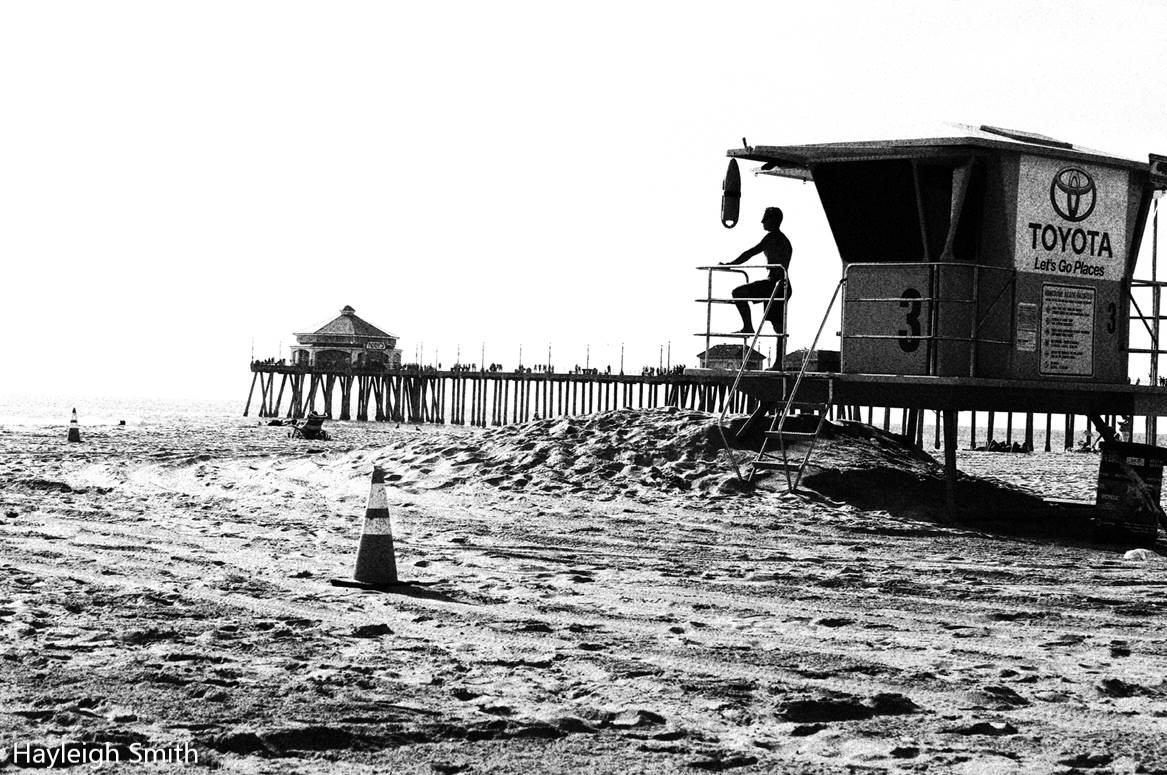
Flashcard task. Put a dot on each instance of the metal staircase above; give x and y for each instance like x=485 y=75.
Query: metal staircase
x=780 y=459
x=812 y=399
x=753 y=337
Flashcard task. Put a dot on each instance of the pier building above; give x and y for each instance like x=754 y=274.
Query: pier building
x=729 y=357
x=346 y=341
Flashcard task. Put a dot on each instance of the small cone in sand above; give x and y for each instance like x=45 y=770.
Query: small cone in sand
x=74 y=428
x=376 y=564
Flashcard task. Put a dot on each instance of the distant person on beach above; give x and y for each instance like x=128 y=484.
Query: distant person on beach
x=777 y=249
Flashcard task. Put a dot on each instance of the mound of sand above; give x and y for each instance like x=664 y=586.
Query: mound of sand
x=620 y=452
x=677 y=452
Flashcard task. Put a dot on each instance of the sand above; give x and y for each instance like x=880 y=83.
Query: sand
x=592 y=595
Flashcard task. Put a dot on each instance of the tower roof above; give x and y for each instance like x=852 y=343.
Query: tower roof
x=348 y=324
x=930 y=141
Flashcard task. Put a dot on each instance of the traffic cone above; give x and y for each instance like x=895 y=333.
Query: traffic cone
x=74 y=428
x=376 y=564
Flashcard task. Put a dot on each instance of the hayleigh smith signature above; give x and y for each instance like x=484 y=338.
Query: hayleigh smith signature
x=72 y=754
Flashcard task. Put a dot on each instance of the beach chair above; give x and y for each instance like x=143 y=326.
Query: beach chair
x=311 y=428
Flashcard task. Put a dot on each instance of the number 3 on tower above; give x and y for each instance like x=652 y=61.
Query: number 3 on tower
x=909 y=342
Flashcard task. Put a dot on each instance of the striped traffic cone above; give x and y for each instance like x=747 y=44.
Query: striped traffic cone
x=376 y=564
x=74 y=428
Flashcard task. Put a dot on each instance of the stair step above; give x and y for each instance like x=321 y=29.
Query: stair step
x=791 y=434
x=774 y=465
x=816 y=405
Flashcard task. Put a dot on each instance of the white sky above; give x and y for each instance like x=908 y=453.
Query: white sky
x=178 y=179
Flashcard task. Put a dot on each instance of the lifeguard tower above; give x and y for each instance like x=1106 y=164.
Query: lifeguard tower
x=986 y=270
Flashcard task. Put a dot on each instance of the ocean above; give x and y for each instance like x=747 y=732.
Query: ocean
x=37 y=411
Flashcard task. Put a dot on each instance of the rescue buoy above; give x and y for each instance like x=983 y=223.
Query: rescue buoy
x=731 y=195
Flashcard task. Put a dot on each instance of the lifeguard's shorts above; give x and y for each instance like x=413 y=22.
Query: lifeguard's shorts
x=761 y=289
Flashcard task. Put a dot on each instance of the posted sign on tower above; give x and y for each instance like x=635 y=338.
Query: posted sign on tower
x=1071 y=219
x=1071 y=240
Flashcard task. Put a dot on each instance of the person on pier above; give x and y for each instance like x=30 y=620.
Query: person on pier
x=778 y=251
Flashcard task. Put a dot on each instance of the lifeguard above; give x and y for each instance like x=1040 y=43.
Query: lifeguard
x=777 y=249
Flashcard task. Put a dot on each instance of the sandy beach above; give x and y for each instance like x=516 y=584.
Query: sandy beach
x=592 y=595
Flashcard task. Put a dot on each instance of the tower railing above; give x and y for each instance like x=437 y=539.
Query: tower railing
x=767 y=301
x=934 y=298
x=747 y=350
x=1151 y=322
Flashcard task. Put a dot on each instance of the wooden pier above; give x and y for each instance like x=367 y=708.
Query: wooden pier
x=481 y=398
x=492 y=398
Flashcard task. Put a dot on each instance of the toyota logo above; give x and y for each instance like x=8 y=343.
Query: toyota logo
x=1072 y=193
